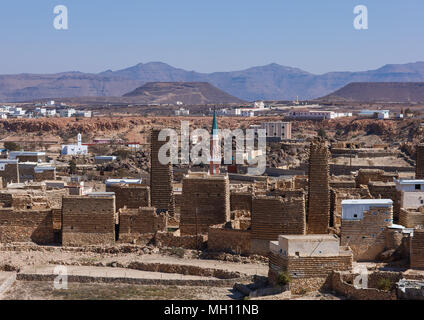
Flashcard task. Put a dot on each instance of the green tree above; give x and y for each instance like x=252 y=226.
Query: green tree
x=72 y=167
x=322 y=133
x=12 y=146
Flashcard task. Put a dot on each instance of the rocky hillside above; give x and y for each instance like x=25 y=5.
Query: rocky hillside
x=191 y=93
x=384 y=92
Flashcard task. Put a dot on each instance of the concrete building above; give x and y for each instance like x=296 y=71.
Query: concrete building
x=27 y=156
x=104 y=159
x=378 y=114
x=67 y=113
x=75 y=149
x=277 y=130
x=411 y=193
x=316 y=115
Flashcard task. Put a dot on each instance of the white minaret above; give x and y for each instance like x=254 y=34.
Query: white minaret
x=79 y=139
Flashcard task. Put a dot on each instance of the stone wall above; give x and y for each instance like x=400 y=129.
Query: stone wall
x=161 y=178
x=134 y=222
x=319 y=190
x=45 y=175
x=366 y=237
x=336 y=198
x=26 y=226
x=222 y=239
x=417 y=250
x=387 y=190
x=130 y=196
x=273 y=216
x=10 y=173
x=308 y=267
x=241 y=201
x=411 y=218
x=206 y=202
x=88 y=220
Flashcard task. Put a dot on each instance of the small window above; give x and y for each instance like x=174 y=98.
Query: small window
x=364 y=237
x=417 y=187
x=297 y=254
x=347 y=237
x=355 y=215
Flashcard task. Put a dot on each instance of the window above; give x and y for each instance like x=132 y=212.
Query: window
x=355 y=215
x=297 y=254
x=417 y=187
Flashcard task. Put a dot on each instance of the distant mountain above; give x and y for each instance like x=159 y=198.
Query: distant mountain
x=186 y=92
x=270 y=82
x=402 y=92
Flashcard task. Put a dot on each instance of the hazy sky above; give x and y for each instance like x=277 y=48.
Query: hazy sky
x=220 y=35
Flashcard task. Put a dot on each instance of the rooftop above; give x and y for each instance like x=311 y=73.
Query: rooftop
x=369 y=201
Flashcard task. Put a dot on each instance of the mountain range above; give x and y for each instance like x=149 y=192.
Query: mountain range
x=270 y=82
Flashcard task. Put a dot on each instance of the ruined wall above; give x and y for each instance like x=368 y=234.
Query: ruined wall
x=366 y=237
x=319 y=190
x=241 y=201
x=417 y=250
x=206 y=202
x=273 y=216
x=130 y=196
x=411 y=218
x=88 y=220
x=134 y=222
x=161 y=178
x=365 y=176
x=387 y=190
x=221 y=239
x=419 y=167
x=45 y=175
x=9 y=173
x=26 y=226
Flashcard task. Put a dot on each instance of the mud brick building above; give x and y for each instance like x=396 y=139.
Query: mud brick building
x=26 y=226
x=419 y=167
x=135 y=222
x=273 y=215
x=229 y=237
x=318 y=189
x=88 y=220
x=336 y=198
x=205 y=202
x=411 y=218
x=132 y=196
x=161 y=178
x=387 y=190
x=241 y=201
x=364 y=223
x=417 y=250
x=43 y=173
x=9 y=171
x=307 y=258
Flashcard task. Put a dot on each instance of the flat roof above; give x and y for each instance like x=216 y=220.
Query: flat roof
x=310 y=237
x=410 y=181
x=368 y=201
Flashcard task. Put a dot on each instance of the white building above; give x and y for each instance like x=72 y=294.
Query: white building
x=380 y=114
x=306 y=245
x=67 y=113
x=354 y=209
x=182 y=112
x=109 y=182
x=317 y=115
x=83 y=114
x=412 y=193
x=75 y=149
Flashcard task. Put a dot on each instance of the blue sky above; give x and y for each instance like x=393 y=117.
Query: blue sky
x=206 y=36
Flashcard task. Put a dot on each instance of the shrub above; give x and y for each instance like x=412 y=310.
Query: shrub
x=384 y=284
x=284 y=278
x=12 y=146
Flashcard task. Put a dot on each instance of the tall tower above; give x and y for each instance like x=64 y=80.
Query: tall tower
x=215 y=159
x=419 y=164
x=79 y=138
x=319 y=189
x=161 y=178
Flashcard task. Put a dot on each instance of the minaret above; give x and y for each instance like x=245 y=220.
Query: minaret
x=79 y=138
x=215 y=159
